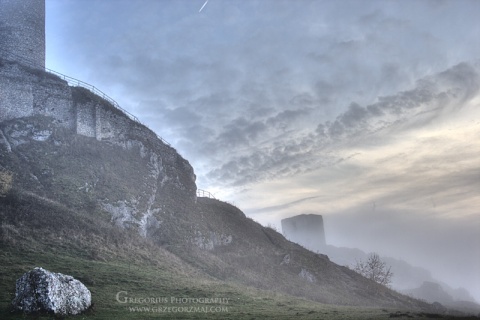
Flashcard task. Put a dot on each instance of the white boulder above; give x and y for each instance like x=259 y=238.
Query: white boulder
x=40 y=290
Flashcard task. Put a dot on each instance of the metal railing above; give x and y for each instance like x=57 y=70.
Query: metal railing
x=76 y=83
x=205 y=194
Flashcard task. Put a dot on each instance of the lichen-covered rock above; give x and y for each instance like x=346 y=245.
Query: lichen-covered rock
x=40 y=290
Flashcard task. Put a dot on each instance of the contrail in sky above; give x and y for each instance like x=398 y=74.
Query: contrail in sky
x=203 y=6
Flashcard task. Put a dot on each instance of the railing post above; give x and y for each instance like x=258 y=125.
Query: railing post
x=205 y=194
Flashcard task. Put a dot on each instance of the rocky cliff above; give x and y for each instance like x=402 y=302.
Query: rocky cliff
x=68 y=144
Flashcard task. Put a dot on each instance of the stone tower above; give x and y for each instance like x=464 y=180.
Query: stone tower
x=306 y=230
x=22 y=30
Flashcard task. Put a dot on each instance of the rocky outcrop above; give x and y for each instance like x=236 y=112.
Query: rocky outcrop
x=78 y=148
x=211 y=240
x=307 y=275
x=40 y=290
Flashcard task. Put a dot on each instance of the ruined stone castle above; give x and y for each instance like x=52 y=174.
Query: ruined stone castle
x=27 y=90
x=37 y=105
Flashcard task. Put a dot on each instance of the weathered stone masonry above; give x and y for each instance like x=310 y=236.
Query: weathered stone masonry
x=28 y=92
x=22 y=29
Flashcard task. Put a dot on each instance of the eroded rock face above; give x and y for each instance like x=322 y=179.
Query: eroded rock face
x=307 y=275
x=211 y=240
x=40 y=290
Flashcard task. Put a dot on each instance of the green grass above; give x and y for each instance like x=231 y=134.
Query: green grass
x=145 y=280
x=109 y=260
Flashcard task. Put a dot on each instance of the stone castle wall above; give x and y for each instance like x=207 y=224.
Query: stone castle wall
x=86 y=120
x=26 y=92
x=22 y=30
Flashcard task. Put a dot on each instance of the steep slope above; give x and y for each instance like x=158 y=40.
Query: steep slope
x=262 y=257
x=91 y=167
x=119 y=186
x=38 y=231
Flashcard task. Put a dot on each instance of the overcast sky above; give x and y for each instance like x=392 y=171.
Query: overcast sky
x=367 y=112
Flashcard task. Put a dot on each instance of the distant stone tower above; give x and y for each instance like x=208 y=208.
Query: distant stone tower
x=22 y=30
x=306 y=230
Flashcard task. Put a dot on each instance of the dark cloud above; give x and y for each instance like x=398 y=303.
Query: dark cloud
x=180 y=117
x=432 y=94
x=239 y=133
x=302 y=153
x=256 y=59
x=285 y=119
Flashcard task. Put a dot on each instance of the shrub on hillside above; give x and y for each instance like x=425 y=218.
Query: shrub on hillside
x=374 y=269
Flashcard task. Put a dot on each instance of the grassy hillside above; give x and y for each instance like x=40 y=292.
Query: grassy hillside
x=106 y=279
x=39 y=232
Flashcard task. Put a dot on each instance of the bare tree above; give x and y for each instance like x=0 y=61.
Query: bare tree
x=374 y=269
